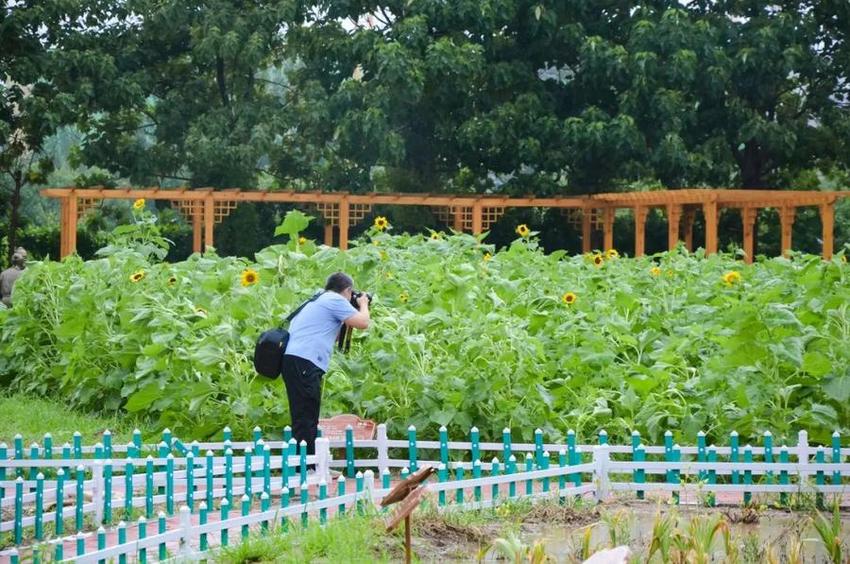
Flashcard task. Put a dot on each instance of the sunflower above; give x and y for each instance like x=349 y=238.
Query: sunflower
x=250 y=277
x=381 y=223
x=569 y=298
x=655 y=271
x=844 y=258
x=200 y=311
x=137 y=276
x=435 y=236
x=598 y=259
x=487 y=256
x=139 y=204
x=403 y=297
x=522 y=230
x=731 y=277
x=302 y=240
x=172 y=280
x=612 y=254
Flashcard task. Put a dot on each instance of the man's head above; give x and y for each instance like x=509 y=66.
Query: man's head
x=19 y=260
x=341 y=283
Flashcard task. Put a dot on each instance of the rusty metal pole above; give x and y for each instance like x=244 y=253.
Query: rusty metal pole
x=407 y=540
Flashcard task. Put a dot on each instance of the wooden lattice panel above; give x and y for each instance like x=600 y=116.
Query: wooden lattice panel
x=85 y=204
x=223 y=209
x=329 y=211
x=356 y=212
x=489 y=216
x=574 y=217
x=188 y=208
x=446 y=214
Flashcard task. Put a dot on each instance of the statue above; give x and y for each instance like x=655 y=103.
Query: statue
x=9 y=276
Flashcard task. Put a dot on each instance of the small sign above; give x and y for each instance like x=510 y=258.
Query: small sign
x=404 y=510
x=402 y=489
x=333 y=429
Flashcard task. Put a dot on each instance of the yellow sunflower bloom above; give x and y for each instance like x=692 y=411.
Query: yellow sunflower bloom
x=655 y=271
x=731 y=277
x=569 y=298
x=844 y=258
x=137 y=276
x=172 y=280
x=302 y=240
x=381 y=223
x=612 y=254
x=522 y=230
x=403 y=297
x=598 y=260
x=249 y=277
x=139 y=204
x=200 y=311
x=435 y=236
x=487 y=256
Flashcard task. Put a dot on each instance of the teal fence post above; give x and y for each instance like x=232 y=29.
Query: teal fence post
x=733 y=455
x=783 y=475
x=59 y=519
x=39 y=506
x=668 y=455
x=128 y=487
x=101 y=542
x=405 y=474
x=476 y=473
x=163 y=452
x=386 y=479
x=258 y=435
x=573 y=457
x=203 y=510
x=149 y=487
x=293 y=453
x=444 y=445
x=545 y=466
x=820 y=480
x=81 y=476
x=506 y=444
x=196 y=448
x=246 y=509
x=19 y=453
x=225 y=515
x=358 y=488
x=81 y=544
x=265 y=502
x=340 y=491
x=748 y=474
x=305 y=497
x=836 y=457
x=475 y=443
x=494 y=471
x=162 y=548
x=209 y=477
x=636 y=473
x=48 y=446
x=677 y=457
x=137 y=441
x=33 y=456
x=603 y=437
x=323 y=495
x=169 y=484
x=107 y=444
x=14 y=557
x=510 y=467
x=639 y=454
x=459 y=477
x=442 y=476
x=190 y=481
x=66 y=455
x=107 y=491
x=529 y=466
x=122 y=539
x=538 y=447
x=249 y=473
x=701 y=454
x=228 y=475
x=142 y=534
x=349 y=451
x=267 y=471
x=411 y=446
x=303 y=460
x=712 y=475
x=768 y=454
x=287 y=434
x=284 y=466
x=166 y=438
x=284 y=503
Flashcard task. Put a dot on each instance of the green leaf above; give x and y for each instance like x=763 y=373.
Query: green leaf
x=294 y=223
x=144 y=397
x=838 y=388
x=816 y=363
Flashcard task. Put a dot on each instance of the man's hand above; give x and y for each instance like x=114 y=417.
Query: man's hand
x=363 y=301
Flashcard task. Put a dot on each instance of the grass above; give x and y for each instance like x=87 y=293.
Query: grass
x=33 y=417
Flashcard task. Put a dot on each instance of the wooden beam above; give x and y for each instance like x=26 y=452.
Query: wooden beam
x=608 y=228
x=458 y=219
x=586 y=231
x=63 y=227
x=690 y=216
x=72 y=224
x=343 y=223
x=674 y=219
x=209 y=222
x=329 y=234
x=477 y=219
x=748 y=219
x=827 y=218
x=787 y=214
x=197 y=232
x=709 y=210
x=640 y=230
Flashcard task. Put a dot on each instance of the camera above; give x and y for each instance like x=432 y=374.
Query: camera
x=356 y=296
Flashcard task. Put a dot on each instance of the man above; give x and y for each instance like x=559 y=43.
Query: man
x=9 y=276
x=312 y=334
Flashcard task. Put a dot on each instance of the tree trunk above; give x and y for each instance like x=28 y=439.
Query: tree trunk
x=14 y=213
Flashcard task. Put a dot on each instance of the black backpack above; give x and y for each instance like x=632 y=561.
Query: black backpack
x=268 y=352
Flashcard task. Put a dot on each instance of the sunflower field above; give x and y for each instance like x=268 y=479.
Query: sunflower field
x=461 y=335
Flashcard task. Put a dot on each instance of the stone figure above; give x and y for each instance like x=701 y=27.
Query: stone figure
x=9 y=276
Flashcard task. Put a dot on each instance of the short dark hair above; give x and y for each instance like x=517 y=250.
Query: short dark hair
x=339 y=282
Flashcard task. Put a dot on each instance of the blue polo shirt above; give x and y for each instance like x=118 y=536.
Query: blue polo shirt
x=313 y=332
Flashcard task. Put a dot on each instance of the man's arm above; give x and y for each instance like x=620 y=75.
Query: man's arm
x=360 y=320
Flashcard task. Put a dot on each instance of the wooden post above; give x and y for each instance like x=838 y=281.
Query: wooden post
x=197 y=233
x=585 y=230
x=329 y=233
x=72 y=223
x=748 y=218
x=709 y=209
x=458 y=218
x=63 y=227
x=674 y=218
x=343 y=222
x=786 y=221
x=827 y=218
x=477 y=220
x=690 y=215
x=640 y=230
x=608 y=228
x=209 y=219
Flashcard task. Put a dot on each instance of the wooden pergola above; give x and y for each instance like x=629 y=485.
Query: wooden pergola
x=476 y=213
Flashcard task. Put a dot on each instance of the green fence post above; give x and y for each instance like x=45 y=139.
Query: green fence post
x=249 y=474
x=284 y=503
x=166 y=438
x=128 y=487
x=476 y=473
x=529 y=466
x=506 y=444
x=639 y=455
x=59 y=519
x=538 y=447
x=149 y=487
x=636 y=473
x=80 y=501
x=411 y=447
x=190 y=481
x=494 y=471
x=733 y=455
x=196 y=448
x=603 y=437
x=107 y=491
x=14 y=557
x=203 y=510
x=545 y=466
x=293 y=453
x=573 y=457
x=209 y=477
x=48 y=446
x=265 y=502
x=137 y=441
x=267 y=471
x=459 y=477
x=358 y=488
x=19 y=453
x=340 y=491
x=668 y=454
x=101 y=542
x=122 y=539
x=163 y=453
x=169 y=484
x=836 y=457
x=39 y=506
x=302 y=447
x=162 y=552
x=783 y=475
x=258 y=434
x=444 y=445
x=475 y=443
x=323 y=495
x=142 y=535
x=442 y=477
x=34 y=457
x=820 y=480
x=66 y=455
x=228 y=475
x=701 y=454
x=768 y=454
x=81 y=544
x=712 y=475
x=59 y=552
x=349 y=451
x=305 y=497
x=246 y=509
x=386 y=479
x=405 y=474
x=511 y=469
x=287 y=434
x=225 y=515
x=748 y=474
x=107 y=444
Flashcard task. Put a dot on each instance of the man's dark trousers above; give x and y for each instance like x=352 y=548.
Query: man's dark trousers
x=303 y=381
